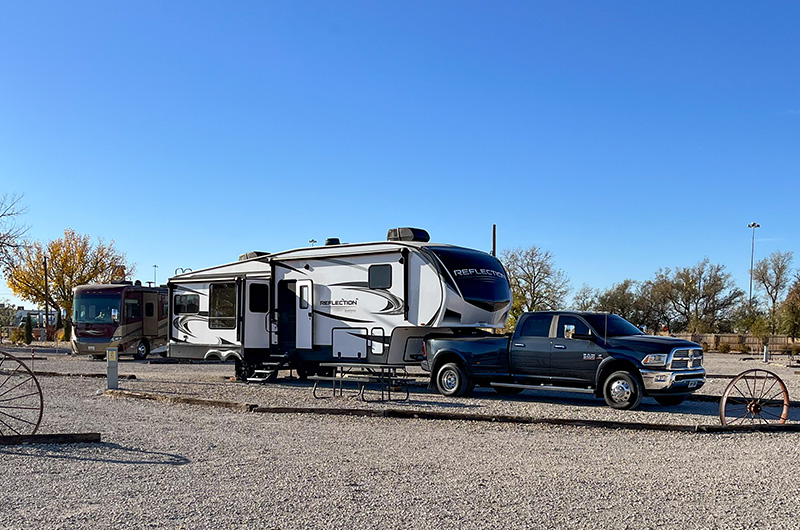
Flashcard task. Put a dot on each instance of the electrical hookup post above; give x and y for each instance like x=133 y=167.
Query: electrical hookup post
x=112 y=377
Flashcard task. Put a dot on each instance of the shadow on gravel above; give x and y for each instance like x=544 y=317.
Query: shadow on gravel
x=104 y=452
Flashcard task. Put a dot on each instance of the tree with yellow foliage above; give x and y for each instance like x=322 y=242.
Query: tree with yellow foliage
x=71 y=261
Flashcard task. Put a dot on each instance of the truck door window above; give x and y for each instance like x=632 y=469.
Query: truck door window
x=569 y=323
x=536 y=326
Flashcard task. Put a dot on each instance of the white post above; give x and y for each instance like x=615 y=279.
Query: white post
x=766 y=354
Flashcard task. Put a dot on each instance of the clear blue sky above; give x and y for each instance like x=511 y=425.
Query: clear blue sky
x=620 y=136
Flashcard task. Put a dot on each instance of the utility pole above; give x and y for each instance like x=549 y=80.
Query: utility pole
x=752 y=253
x=46 y=296
x=155 y=269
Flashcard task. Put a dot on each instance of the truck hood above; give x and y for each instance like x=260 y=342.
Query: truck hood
x=646 y=344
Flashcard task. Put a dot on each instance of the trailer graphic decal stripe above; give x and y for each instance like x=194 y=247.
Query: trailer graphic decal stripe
x=337 y=317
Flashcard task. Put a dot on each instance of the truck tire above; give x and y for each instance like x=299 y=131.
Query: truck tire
x=452 y=380
x=671 y=401
x=142 y=350
x=621 y=390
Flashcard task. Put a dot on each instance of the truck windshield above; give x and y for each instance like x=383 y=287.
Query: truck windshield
x=612 y=326
x=95 y=308
x=479 y=276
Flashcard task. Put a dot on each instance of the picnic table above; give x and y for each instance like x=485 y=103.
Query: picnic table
x=389 y=378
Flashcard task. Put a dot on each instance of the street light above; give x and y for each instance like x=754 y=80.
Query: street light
x=155 y=269
x=752 y=249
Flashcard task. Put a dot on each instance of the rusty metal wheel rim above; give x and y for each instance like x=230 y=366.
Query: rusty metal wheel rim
x=21 y=401
x=754 y=397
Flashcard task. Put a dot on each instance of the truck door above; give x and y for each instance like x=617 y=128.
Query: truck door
x=530 y=348
x=305 y=313
x=573 y=360
x=256 y=314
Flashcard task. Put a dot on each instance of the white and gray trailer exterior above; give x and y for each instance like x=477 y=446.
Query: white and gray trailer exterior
x=369 y=302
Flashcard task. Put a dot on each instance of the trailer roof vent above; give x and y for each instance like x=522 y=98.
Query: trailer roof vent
x=332 y=241
x=253 y=254
x=408 y=234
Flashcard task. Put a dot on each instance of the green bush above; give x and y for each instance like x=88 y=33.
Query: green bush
x=724 y=348
x=743 y=348
x=705 y=346
x=17 y=335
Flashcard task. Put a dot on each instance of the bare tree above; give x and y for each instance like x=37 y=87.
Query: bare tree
x=585 y=299
x=537 y=284
x=11 y=232
x=772 y=275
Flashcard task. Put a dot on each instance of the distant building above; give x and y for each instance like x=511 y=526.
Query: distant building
x=37 y=317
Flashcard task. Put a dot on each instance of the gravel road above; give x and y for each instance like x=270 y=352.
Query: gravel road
x=163 y=465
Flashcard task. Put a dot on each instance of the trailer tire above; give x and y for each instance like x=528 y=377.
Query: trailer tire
x=453 y=381
x=142 y=350
x=243 y=370
x=622 y=390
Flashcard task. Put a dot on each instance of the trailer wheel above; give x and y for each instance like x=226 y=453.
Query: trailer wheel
x=621 y=390
x=452 y=380
x=243 y=370
x=142 y=350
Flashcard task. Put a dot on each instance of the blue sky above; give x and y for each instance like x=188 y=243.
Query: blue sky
x=620 y=136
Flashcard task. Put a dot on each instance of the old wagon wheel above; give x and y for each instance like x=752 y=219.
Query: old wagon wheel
x=21 y=402
x=754 y=397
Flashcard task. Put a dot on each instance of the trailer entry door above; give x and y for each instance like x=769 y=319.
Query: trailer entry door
x=305 y=313
x=256 y=314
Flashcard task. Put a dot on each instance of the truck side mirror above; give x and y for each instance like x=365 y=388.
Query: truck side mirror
x=115 y=315
x=569 y=331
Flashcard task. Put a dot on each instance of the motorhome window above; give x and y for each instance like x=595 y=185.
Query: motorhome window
x=222 y=306
x=479 y=276
x=187 y=303
x=259 y=298
x=536 y=326
x=149 y=309
x=132 y=309
x=95 y=308
x=304 y=297
x=380 y=276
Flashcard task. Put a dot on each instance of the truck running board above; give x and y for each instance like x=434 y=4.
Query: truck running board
x=546 y=387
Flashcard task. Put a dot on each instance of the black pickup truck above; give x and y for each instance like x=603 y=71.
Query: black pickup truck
x=598 y=353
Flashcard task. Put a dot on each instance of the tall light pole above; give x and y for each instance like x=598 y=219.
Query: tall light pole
x=752 y=253
x=155 y=269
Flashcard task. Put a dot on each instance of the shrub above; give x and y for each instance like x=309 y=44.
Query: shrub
x=743 y=348
x=17 y=335
x=724 y=348
x=28 y=330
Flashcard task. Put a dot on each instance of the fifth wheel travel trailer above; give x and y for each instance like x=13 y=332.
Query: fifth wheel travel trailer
x=364 y=302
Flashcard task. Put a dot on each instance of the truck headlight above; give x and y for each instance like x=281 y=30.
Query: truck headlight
x=115 y=339
x=655 y=359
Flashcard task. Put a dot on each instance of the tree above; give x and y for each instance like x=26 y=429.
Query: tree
x=585 y=299
x=653 y=306
x=704 y=296
x=11 y=232
x=772 y=275
x=620 y=299
x=71 y=261
x=536 y=283
x=28 y=330
x=7 y=313
x=790 y=311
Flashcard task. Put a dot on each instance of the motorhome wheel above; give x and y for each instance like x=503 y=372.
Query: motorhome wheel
x=142 y=350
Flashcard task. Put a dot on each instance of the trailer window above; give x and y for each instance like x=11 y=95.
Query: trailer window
x=222 y=306
x=187 y=303
x=259 y=298
x=149 y=309
x=304 y=298
x=380 y=276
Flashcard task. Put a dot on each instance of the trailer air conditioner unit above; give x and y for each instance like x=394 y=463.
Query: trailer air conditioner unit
x=331 y=241
x=253 y=254
x=408 y=234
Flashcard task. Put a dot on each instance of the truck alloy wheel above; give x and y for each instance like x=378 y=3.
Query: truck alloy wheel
x=621 y=390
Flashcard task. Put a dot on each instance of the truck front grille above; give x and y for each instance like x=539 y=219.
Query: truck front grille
x=686 y=359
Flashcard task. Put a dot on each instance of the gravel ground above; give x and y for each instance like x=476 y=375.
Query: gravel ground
x=179 y=466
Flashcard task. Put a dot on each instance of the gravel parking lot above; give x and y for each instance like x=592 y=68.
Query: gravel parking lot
x=164 y=465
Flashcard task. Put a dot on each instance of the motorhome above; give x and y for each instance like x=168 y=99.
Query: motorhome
x=365 y=302
x=127 y=316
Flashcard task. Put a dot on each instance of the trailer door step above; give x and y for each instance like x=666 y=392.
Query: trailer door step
x=267 y=373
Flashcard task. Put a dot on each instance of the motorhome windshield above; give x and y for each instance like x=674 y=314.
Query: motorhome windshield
x=479 y=276
x=95 y=308
x=612 y=326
